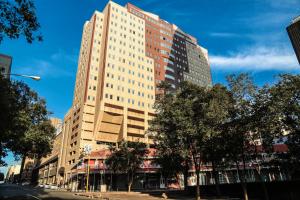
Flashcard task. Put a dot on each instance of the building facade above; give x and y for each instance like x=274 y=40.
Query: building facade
x=13 y=173
x=5 y=65
x=49 y=172
x=294 y=33
x=125 y=53
x=45 y=170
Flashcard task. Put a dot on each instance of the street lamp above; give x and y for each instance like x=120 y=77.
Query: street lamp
x=36 y=78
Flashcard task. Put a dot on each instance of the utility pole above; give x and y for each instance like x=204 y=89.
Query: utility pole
x=87 y=150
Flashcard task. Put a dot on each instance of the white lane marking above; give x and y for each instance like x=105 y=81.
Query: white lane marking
x=33 y=196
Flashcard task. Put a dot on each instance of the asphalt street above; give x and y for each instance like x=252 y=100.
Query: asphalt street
x=17 y=192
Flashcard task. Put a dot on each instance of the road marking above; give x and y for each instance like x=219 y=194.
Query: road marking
x=33 y=196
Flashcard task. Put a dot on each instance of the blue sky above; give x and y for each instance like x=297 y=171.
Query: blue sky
x=240 y=35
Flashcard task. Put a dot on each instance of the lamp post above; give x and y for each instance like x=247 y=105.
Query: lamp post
x=87 y=150
x=36 y=78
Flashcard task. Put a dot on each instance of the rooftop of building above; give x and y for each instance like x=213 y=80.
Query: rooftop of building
x=153 y=16
x=6 y=56
x=296 y=19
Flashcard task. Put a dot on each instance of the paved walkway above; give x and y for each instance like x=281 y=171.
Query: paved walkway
x=137 y=196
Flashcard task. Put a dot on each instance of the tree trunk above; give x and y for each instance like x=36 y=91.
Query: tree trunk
x=111 y=181
x=186 y=175
x=129 y=186
x=263 y=184
x=216 y=177
x=166 y=187
x=243 y=184
x=197 y=185
x=130 y=180
x=22 y=168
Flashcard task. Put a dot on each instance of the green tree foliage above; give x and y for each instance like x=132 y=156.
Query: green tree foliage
x=180 y=127
x=238 y=130
x=168 y=146
x=262 y=116
x=285 y=96
x=18 y=17
x=228 y=127
x=25 y=128
x=127 y=158
x=220 y=105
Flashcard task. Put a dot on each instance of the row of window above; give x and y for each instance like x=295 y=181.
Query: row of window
x=125 y=14
x=129 y=100
x=124 y=43
x=132 y=91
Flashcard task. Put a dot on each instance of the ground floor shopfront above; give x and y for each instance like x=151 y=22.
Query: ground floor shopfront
x=114 y=182
x=105 y=180
x=148 y=176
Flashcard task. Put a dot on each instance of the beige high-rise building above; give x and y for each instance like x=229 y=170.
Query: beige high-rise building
x=125 y=52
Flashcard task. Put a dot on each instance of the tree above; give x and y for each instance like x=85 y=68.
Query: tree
x=171 y=165
x=179 y=125
x=169 y=155
x=18 y=17
x=26 y=129
x=285 y=95
x=219 y=107
x=238 y=130
x=127 y=158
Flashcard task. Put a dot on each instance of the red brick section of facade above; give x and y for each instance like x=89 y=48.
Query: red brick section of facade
x=157 y=32
x=97 y=160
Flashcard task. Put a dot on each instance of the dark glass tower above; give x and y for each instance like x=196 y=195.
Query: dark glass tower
x=294 y=33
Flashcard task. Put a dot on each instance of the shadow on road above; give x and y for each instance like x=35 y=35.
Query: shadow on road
x=17 y=192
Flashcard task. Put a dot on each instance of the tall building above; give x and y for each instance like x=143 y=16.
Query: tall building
x=125 y=52
x=13 y=173
x=294 y=33
x=5 y=65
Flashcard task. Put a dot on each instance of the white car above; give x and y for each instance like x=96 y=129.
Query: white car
x=25 y=183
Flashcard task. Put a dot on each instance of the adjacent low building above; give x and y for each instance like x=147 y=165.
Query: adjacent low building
x=45 y=170
x=48 y=167
x=5 y=65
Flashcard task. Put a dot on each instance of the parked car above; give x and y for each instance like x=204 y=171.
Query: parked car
x=25 y=183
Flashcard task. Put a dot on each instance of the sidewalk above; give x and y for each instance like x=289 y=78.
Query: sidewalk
x=138 y=196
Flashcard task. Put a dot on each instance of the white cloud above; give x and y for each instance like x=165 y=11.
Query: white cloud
x=224 y=34
x=45 y=69
x=59 y=64
x=62 y=55
x=256 y=59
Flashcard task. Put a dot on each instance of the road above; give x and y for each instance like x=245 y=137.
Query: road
x=17 y=192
